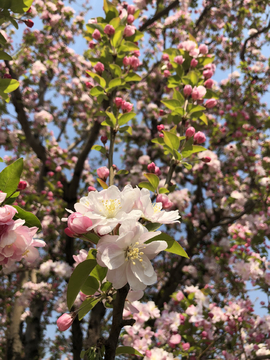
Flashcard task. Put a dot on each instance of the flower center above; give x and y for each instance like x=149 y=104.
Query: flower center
x=157 y=207
x=111 y=207
x=133 y=252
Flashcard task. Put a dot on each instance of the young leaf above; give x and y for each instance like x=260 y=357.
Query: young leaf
x=124 y=118
x=112 y=117
x=4 y=56
x=8 y=85
x=115 y=83
x=153 y=226
x=178 y=96
x=171 y=140
x=163 y=190
x=127 y=350
x=99 y=272
x=122 y=172
x=97 y=90
x=146 y=185
x=97 y=78
x=173 y=246
x=117 y=38
x=196 y=108
x=187 y=165
x=171 y=104
x=153 y=179
x=10 y=177
x=204 y=119
x=90 y=286
x=102 y=184
x=88 y=305
x=30 y=219
x=99 y=148
x=131 y=76
x=158 y=140
x=116 y=69
x=77 y=279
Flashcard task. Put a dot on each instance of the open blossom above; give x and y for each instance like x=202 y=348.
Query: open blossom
x=108 y=208
x=127 y=256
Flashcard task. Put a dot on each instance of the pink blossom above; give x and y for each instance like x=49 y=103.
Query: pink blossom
x=2 y=196
x=165 y=57
x=151 y=167
x=199 y=137
x=129 y=30
x=167 y=73
x=209 y=83
x=96 y=34
x=174 y=340
x=134 y=62
x=187 y=90
x=126 y=106
x=208 y=74
x=130 y=19
x=22 y=185
x=103 y=172
x=190 y=132
x=185 y=346
x=78 y=223
x=160 y=127
x=166 y=203
x=99 y=67
x=198 y=92
x=131 y=9
x=109 y=30
x=179 y=59
x=6 y=214
x=91 y=188
x=81 y=257
x=203 y=49
x=210 y=103
x=65 y=321
x=194 y=63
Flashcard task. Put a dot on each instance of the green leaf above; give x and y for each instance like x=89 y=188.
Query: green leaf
x=3 y=40
x=171 y=140
x=187 y=165
x=115 y=22
x=20 y=6
x=106 y=286
x=13 y=22
x=146 y=185
x=128 y=46
x=136 y=37
x=100 y=148
x=128 y=129
x=116 y=69
x=153 y=179
x=112 y=117
x=122 y=172
x=4 y=56
x=173 y=246
x=117 y=38
x=163 y=190
x=190 y=149
x=10 y=177
x=192 y=75
x=97 y=90
x=153 y=226
x=124 y=118
x=204 y=119
x=91 y=237
x=107 y=122
x=196 y=108
x=115 y=83
x=178 y=96
x=211 y=94
x=127 y=350
x=131 y=76
x=158 y=140
x=99 y=272
x=102 y=184
x=8 y=85
x=97 y=78
x=172 y=104
x=88 y=305
x=77 y=279
x=30 y=219
x=90 y=286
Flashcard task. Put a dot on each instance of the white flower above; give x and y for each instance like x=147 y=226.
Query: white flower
x=154 y=213
x=109 y=207
x=128 y=257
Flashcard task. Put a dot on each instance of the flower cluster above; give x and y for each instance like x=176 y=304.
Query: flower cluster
x=123 y=247
x=16 y=240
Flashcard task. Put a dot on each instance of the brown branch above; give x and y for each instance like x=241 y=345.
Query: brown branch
x=159 y=15
x=253 y=36
x=203 y=14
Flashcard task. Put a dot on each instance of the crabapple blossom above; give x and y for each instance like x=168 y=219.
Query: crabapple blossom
x=179 y=59
x=198 y=93
x=127 y=256
x=99 y=67
x=187 y=90
x=190 y=132
x=210 y=103
x=103 y=172
x=65 y=321
x=129 y=30
x=199 y=137
x=109 y=30
x=78 y=223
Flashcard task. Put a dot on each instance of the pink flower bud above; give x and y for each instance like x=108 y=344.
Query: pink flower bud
x=175 y=339
x=118 y=102
x=134 y=62
x=165 y=57
x=96 y=35
x=65 y=321
x=91 y=188
x=130 y=19
x=89 y=85
x=126 y=106
x=22 y=185
x=161 y=135
x=167 y=73
x=198 y=92
x=166 y=203
x=6 y=214
x=185 y=346
x=194 y=63
x=104 y=139
x=109 y=30
x=131 y=9
x=203 y=49
x=136 y=53
x=129 y=30
x=7 y=76
x=103 y=172
x=78 y=223
x=126 y=61
x=206 y=159
x=148 y=353
x=160 y=127
x=161 y=112
x=207 y=74
x=91 y=44
x=29 y=10
x=199 y=137
x=187 y=90
x=29 y=23
x=179 y=59
x=210 y=103
x=209 y=83
x=151 y=167
x=190 y=132
x=99 y=67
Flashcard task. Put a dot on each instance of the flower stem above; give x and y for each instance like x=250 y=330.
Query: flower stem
x=112 y=141
x=170 y=173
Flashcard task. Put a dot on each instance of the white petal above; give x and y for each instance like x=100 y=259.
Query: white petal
x=118 y=276
x=112 y=256
x=152 y=249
